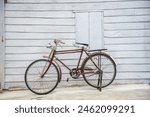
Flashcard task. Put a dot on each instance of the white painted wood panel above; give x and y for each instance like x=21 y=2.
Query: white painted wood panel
x=40 y=29
x=127 y=33
x=127 y=40
x=82 y=28
x=36 y=43
x=131 y=47
x=31 y=24
x=127 y=12
x=39 y=14
x=39 y=35
x=32 y=49
x=130 y=54
x=34 y=56
x=128 y=26
x=122 y=54
x=39 y=21
x=79 y=6
x=89 y=29
x=61 y=1
x=24 y=64
x=133 y=19
x=96 y=30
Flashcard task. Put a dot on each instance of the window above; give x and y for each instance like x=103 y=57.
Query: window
x=89 y=29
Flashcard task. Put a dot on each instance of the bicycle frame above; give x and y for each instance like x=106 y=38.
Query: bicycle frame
x=52 y=57
x=81 y=51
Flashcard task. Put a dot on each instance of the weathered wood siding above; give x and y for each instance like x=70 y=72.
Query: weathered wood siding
x=31 y=24
x=2 y=45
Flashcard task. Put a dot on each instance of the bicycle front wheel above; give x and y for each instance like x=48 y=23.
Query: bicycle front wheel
x=36 y=82
x=99 y=70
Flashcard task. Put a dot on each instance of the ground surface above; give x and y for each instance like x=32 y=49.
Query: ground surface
x=117 y=92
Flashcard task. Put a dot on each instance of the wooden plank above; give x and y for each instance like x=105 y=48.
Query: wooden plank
x=134 y=68
x=39 y=21
x=82 y=27
x=46 y=29
x=127 y=26
x=130 y=54
x=127 y=12
x=26 y=50
x=130 y=47
x=133 y=61
x=127 y=33
x=127 y=40
x=35 y=43
x=39 y=35
x=34 y=56
x=39 y=14
x=121 y=19
x=24 y=56
x=60 y=1
x=122 y=54
x=2 y=45
x=112 y=5
x=24 y=63
x=17 y=64
x=79 y=6
x=33 y=50
x=96 y=33
x=34 y=7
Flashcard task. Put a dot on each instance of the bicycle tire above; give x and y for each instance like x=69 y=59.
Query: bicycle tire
x=88 y=68
x=41 y=85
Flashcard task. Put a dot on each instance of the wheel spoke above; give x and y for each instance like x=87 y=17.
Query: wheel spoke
x=107 y=69
x=45 y=84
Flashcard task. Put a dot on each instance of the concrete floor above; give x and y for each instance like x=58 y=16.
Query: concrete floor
x=117 y=92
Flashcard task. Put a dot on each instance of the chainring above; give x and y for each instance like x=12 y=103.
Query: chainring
x=75 y=73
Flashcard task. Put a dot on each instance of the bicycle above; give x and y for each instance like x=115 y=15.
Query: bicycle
x=43 y=75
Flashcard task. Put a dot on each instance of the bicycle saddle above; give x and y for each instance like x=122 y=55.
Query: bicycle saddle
x=82 y=44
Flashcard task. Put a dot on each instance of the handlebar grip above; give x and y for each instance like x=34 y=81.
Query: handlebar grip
x=62 y=42
x=57 y=41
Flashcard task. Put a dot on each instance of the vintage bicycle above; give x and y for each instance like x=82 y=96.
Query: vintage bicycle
x=43 y=75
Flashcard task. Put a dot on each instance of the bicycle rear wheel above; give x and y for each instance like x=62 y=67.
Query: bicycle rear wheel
x=99 y=70
x=37 y=83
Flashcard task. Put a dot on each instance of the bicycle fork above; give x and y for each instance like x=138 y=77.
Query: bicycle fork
x=45 y=71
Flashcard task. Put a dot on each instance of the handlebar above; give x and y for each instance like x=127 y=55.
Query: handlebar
x=57 y=41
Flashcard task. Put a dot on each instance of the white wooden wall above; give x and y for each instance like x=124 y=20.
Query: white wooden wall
x=31 y=24
x=2 y=44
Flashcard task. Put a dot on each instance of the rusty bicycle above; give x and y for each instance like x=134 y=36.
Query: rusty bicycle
x=43 y=75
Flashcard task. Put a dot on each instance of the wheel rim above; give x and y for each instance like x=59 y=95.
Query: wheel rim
x=93 y=76
x=38 y=84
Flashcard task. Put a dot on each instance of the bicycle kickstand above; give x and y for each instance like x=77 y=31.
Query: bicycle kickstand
x=100 y=84
x=100 y=88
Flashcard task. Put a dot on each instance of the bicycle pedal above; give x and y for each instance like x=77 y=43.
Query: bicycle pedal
x=67 y=79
